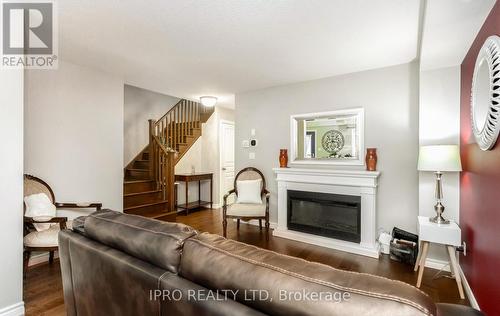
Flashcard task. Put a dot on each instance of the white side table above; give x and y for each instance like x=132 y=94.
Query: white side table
x=448 y=235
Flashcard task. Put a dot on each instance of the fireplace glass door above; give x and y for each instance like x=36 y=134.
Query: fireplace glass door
x=324 y=214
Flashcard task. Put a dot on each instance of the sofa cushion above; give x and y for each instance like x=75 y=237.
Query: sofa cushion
x=295 y=286
x=150 y=240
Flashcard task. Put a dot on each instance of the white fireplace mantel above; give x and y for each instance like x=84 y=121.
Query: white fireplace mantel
x=347 y=182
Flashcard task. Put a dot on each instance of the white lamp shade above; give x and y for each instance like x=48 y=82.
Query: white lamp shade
x=439 y=158
x=208 y=101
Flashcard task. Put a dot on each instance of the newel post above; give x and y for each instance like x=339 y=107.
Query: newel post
x=171 y=180
x=152 y=156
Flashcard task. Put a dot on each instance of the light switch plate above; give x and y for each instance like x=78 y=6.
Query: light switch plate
x=251 y=156
x=253 y=131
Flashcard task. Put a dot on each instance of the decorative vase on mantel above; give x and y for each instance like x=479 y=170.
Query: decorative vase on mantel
x=371 y=159
x=283 y=158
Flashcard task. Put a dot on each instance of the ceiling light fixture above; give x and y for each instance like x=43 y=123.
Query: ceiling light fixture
x=208 y=101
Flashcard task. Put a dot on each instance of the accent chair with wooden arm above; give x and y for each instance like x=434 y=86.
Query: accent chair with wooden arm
x=247 y=211
x=46 y=240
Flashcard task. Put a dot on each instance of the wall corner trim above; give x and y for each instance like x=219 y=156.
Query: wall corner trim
x=13 y=310
x=468 y=290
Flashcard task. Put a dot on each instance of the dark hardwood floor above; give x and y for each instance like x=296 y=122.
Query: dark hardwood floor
x=43 y=289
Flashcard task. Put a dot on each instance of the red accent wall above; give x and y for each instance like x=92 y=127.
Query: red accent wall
x=480 y=190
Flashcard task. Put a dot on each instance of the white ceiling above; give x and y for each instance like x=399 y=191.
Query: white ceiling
x=189 y=48
x=450 y=28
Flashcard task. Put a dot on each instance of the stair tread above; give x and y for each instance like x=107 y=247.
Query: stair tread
x=144 y=205
x=137 y=181
x=136 y=169
x=142 y=192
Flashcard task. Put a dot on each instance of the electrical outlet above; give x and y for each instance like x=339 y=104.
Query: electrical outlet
x=251 y=156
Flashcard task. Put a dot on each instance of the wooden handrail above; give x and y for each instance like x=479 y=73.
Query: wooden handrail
x=172 y=109
x=166 y=136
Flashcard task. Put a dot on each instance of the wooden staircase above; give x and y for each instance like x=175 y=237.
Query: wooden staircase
x=148 y=187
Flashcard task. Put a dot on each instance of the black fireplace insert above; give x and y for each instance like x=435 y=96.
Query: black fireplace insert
x=324 y=214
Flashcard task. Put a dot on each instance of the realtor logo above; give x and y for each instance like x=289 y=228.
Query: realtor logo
x=29 y=35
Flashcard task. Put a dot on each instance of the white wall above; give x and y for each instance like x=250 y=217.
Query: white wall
x=74 y=133
x=390 y=99
x=204 y=155
x=191 y=159
x=140 y=106
x=439 y=123
x=11 y=191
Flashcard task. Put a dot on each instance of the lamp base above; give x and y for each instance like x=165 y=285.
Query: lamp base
x=438 y=219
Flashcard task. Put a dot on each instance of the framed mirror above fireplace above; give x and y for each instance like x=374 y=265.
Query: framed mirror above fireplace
x=334 y=138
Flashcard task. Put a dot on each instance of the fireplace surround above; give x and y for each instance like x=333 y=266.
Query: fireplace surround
x=325 y=183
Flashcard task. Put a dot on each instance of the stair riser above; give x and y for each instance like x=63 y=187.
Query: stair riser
x=139 y=187
x=147 y=210
x=145 y=156
x=137 y=175
x=140 y=199
x=141 y=165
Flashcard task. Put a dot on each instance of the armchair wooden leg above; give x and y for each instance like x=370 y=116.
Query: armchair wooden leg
x=224 y=227
x=238 y=223
x=26 y=261
x=260 y=224
x=51 y=257
x=267 y=228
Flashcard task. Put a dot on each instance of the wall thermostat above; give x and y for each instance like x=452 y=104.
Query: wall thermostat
x=253 y=143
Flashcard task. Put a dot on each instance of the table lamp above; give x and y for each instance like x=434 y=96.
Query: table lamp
x=439 y=159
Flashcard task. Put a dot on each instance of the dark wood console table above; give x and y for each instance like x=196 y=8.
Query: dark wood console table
x=192 y=177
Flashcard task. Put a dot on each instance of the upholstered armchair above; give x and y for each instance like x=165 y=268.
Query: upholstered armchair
x=247 y=211
x=46 y=239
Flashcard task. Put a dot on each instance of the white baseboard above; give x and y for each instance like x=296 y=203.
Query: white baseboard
x=468 y=290
x=437 y=264
x=13 y=310
x=40 y=257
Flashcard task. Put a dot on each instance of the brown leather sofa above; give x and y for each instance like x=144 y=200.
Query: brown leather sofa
x=118 y=264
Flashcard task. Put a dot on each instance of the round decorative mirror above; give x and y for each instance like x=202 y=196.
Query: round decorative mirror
x=485 y=94
x=333 y=141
